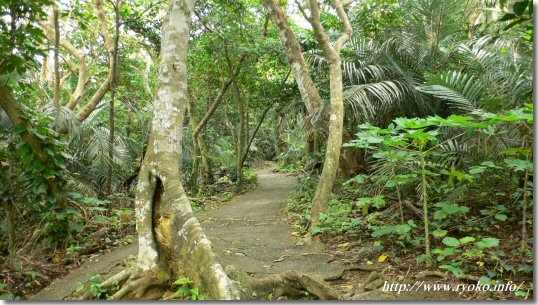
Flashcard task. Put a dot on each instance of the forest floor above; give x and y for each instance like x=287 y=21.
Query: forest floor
x=251 y=233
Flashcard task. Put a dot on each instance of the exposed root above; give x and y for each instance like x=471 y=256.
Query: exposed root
x=141 y=288
x=133 y=286
x=293 y=284
x=468 y=278
x=462 y=277
x=115 y=279
x=428 y=273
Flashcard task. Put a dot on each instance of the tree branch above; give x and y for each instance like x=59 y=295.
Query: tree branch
x=217 y=101
x=109 y=42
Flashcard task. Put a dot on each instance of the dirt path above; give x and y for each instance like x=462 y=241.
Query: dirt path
x=247 y=232
x=106 y=264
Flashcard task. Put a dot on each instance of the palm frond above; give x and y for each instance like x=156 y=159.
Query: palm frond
x=369 y=100
x=460 y=90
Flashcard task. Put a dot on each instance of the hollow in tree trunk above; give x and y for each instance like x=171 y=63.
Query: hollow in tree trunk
x=171 y=241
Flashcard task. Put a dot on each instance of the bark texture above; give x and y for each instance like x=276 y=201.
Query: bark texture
x=172 y=243
x=170 y=237
x=336 y=119
x=308 y=90
x=351 y=162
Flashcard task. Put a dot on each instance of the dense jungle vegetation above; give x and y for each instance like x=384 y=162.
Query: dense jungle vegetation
x=408 y=123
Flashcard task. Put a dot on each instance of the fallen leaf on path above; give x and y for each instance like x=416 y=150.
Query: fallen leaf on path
x=382 y=258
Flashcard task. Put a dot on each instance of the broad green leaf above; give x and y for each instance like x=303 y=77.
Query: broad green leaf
x=488 y=242
x=451 y=241
x=439 y=233
x=467 y=239
x=501 y=217
x=451 y=208
x=484 y=280
x=440 y=215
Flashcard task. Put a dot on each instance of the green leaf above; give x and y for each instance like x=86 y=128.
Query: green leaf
x=439 y=233
x=451 y=208
x=183 y=281
x=488 y=242
x=501 y=217
x=467 y=239
x=440 y=215
x=518 y=164
x=451 y=241
x=49 y=173
x=477 y=170
x=484 y=280
x=520 y=7
x=453 y=269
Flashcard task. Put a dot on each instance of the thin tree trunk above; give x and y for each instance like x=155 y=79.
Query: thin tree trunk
x=247 y=120
x=280 y=142
x=240 y=138
x=336 y=119
x=249 y=143
x=83 y=77
x=220 y=96
x=308 y=90
x=350 y=160
x=200 y=150
x=55 y=15
x=114 y=67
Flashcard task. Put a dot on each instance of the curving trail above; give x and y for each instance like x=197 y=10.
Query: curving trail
x=248 y=232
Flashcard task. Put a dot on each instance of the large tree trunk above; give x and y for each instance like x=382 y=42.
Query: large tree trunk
x=170 y=237
x=171 y=241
